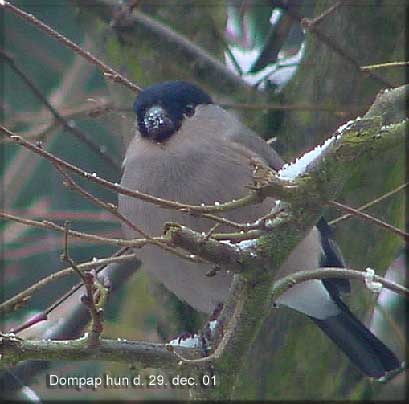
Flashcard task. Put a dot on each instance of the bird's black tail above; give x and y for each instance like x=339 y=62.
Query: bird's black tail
x=365 y=350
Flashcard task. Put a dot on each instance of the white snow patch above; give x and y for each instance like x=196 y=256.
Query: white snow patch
x=247 y=244
x=345 y=126
x=373 y=286
x=291 y=171
x=191 y=342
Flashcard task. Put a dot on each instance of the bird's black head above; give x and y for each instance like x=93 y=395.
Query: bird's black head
x=161 y=108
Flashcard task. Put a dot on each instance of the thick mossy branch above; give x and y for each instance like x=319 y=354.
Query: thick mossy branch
x=148 y=355
x=223 y=255
x=391 y=105
x=168 y=42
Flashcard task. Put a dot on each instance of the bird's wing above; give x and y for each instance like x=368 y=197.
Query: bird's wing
x=249 y=139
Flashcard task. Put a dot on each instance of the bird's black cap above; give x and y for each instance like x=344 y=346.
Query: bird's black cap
x=161 y=108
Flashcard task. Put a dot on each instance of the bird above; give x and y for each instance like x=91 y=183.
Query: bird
x=186 y=148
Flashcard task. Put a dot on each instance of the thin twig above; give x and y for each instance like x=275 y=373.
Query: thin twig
x=238 y=237
x=45 y=224
x=64 y=215
x=41 y=131
x=369 y=204
x=211 y=231
x=283 y=284
x=251 y=198
x=114 y=210
x=326 y=13
x=89 y=280
x=78 y=133
x=222 y=220
x=68 y=294
x=65 y=256
x=324 y=38
x=295 y=107
x=37 y=318
x=106 y=70
x=24 y=296
x=93 y=106
x=370 y=219
x=385 y=65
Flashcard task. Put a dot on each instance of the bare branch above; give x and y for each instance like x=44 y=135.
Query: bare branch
x=371 y=203
x=89 y=280
x=198 y=244
x=287 y=282
x=148 y=355
x=325 y=14
x=106 y=70
x=385 y=65
x=338 y=110
x=252 y=197
x=151 y=355
x=78 y=133
x=103 y=267
x=137 y=243
x=23 y=297
x=114 y=210
x=332 y=44
x=168 y=40
x=370 y=219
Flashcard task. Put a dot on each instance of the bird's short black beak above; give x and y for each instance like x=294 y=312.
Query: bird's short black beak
x=158 y=124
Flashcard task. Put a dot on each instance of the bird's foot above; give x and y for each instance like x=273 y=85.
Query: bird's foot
x=204 y=339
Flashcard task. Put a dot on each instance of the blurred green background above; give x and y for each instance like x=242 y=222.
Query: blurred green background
x=244 y=53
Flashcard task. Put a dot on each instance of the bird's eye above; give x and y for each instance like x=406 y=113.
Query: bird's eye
x=189 y=110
